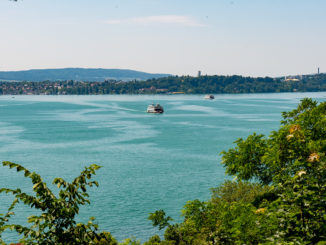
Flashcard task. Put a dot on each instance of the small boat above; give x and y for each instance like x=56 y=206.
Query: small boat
x=155 y=108
x=209 y=97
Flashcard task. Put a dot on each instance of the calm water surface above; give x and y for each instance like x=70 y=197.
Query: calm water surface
x=149 y=161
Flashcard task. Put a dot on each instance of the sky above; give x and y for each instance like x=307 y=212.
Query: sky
x=180 y=37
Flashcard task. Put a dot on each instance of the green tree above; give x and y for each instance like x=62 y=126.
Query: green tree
x=154 y=240
x=232 y=216
x=130 y=241
x=56 y=224
x=236 y=191
x=292 y=161
x=159 y=219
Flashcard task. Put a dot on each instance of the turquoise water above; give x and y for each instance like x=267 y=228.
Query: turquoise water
x=149 y=161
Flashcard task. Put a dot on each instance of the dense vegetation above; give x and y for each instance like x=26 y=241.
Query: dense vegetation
x=171 y=84
x=277 y=197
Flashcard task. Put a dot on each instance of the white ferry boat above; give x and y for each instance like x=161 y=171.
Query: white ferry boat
x=155 y=108
x=209 y=97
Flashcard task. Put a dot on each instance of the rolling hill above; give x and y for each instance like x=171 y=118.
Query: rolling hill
x=78 y=74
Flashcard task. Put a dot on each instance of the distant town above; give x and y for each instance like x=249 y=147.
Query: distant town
x=200 y=84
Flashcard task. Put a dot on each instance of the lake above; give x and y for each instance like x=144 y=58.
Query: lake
x=149 y=161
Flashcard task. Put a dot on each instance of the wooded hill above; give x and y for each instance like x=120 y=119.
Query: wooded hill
x=77 y=74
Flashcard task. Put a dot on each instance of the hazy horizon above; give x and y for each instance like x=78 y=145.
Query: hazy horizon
x=161 y=73
x=249 y=38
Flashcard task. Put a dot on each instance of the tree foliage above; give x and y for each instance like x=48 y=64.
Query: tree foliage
x=56 y=224
x=158 y=218
x=228 y=218
x=293 y=161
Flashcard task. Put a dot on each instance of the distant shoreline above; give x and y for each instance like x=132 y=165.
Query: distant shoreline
x=170 y=85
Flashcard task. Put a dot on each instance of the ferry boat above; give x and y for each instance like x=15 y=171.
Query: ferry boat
x=209 y=97
x=155 y=108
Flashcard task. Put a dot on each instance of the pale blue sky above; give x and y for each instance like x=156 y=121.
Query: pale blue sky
x=246 y=37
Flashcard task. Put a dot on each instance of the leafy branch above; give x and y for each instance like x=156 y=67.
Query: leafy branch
x=56 y=224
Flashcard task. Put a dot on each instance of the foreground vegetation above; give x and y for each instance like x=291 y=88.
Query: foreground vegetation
x=278 y=197
x=172 y=84
x=286 y=205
